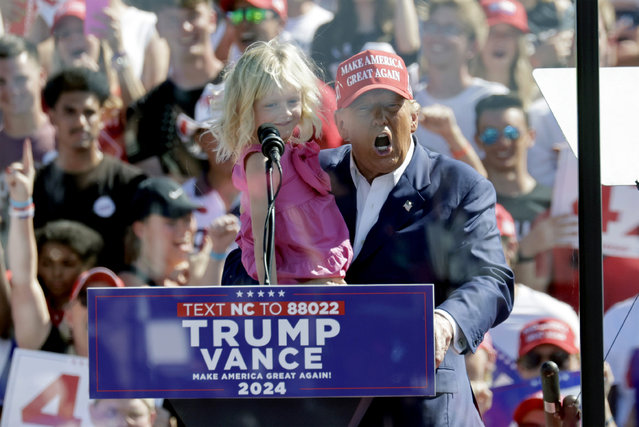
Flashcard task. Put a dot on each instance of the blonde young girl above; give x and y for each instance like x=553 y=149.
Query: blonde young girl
x=273 y=83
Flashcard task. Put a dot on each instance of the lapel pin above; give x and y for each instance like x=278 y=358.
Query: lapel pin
x=408 y=205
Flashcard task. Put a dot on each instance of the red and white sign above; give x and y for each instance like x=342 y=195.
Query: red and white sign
x=47 y=389
x=619 y=204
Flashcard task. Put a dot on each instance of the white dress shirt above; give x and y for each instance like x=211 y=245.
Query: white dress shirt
x=370 y=199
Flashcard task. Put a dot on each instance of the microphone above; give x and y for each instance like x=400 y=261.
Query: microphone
x=551 y=393
x=272 y=144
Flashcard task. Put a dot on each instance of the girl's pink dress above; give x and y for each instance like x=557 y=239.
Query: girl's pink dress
x=311 y=237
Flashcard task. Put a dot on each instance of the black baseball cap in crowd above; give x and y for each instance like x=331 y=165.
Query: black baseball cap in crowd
x=162 y=196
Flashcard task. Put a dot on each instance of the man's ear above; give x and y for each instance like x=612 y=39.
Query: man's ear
x=414 y=122
x=339 y=121
x=532 y=134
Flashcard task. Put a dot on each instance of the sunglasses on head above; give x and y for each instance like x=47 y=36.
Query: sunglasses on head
x=253 y=15
x=491 y=135
x=533 y=360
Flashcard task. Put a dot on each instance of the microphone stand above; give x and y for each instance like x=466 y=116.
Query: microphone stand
x=272 y=149
x=269 y=232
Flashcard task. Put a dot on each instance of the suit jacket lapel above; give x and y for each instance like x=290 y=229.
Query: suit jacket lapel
x=404 y=203
x=345 y=193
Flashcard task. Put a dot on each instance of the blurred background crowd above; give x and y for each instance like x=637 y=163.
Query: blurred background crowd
x=109 y=177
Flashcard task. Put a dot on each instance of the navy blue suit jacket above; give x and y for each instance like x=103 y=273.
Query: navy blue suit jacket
x=437 y=226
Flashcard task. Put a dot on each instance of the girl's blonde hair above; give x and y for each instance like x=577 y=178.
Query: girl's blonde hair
x=262 y=68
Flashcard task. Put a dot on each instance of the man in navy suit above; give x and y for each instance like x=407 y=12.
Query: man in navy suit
x=416 y=217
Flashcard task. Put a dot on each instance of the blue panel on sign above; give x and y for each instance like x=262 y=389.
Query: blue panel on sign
x=269 y=341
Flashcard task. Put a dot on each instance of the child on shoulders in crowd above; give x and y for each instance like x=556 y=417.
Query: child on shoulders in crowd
x=274 y=83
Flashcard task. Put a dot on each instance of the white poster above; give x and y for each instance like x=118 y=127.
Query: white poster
x=619 y=207
x=47 y=389
x=618 y=106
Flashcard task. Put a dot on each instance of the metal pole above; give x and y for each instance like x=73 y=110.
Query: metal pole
x=590 y=249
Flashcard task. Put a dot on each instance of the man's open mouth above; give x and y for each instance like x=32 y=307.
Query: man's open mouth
x=382 y=144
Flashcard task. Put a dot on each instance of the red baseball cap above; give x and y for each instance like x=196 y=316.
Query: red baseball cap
x=369 y=70
x=75 y=8
x=531 y=403
x=96 y=274
x=505 y=221
x=279 y=6
x=547 y=331
x=510 y=12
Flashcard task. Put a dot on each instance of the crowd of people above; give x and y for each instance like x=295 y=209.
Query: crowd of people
x=129 y=157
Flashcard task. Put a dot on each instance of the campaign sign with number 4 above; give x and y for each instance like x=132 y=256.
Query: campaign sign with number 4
x=46 y=389
x=268 y=341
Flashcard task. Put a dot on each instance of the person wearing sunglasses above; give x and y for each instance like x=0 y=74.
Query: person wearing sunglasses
x=546 y=339
x=551 y=339
x=254 y=20
x=504 y=134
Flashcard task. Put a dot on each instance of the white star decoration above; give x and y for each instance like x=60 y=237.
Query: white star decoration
x=249 y=294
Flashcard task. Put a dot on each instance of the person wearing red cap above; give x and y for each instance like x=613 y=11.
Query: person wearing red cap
x=530 y=304
x=415 y=216
x=546 y=339
x=255 y=20
x=119 y=40
x=451 y=38
x=504 y=57
x=550 y=339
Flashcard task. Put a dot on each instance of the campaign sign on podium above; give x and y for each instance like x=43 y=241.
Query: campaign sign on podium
x=268 y=341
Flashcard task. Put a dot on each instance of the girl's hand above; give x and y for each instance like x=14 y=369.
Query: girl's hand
x=20 y=176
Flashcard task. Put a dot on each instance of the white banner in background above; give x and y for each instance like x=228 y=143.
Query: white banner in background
x=47 y=389
x=619 y=205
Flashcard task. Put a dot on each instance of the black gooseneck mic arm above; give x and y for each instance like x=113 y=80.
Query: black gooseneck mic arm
x=272 y=149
